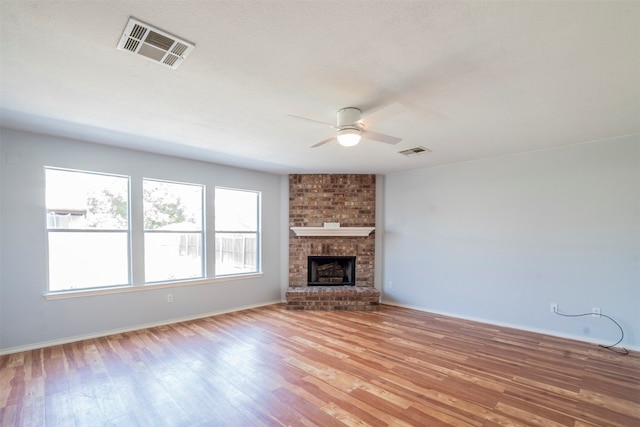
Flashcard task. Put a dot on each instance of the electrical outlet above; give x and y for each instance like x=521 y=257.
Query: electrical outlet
x=554 y=307
x=169 y=297
x=595 y=311
x=390 y=285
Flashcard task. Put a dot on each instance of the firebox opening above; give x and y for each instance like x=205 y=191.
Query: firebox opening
x=331 y=271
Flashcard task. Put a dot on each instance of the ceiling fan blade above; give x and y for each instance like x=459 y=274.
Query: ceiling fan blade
x=311 y=120
x=380 y=137
x=324 y=141
x=370 y=118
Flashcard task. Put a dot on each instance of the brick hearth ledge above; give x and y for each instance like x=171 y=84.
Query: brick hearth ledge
x=353 y=298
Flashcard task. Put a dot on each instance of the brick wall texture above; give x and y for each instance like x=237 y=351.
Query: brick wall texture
x=345 y=198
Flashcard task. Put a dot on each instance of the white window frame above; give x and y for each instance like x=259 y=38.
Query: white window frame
x=126 y=231
x=201 y=232
x=135 y=243
x=257 y=233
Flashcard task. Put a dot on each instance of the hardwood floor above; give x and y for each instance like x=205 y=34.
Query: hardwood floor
x=272 y=367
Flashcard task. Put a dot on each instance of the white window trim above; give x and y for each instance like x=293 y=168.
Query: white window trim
x=203 y=231
x=136 y=229
x=258 y=233
x=127 y=231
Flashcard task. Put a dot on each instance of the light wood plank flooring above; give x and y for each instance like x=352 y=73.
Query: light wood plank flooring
x=272 y=367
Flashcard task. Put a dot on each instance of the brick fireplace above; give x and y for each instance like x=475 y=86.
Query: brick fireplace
x=348 y=199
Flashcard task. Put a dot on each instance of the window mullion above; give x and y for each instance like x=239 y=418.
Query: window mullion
x=210 y=236
x=137 y=233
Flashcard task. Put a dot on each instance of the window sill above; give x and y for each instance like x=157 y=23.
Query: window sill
x=49 y=296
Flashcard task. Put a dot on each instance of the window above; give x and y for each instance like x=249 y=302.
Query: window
x=237 y=223
x=87 y=229
x=99 y=237
x=173 y=232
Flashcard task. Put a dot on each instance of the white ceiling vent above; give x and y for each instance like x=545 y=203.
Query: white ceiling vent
x=414 y=151
x=157 y=45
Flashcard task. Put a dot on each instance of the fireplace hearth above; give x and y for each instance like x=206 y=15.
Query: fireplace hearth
x=331 y=271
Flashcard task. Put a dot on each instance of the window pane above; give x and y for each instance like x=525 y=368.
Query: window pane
x=83 y=200
x=236 y=253
x=172 y=206
x=172 y=256
x=236 y=210
x=173 y=215
x=237 y=240
x=85 y=260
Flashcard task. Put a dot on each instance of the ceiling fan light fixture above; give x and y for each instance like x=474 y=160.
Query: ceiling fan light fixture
x=349 y=137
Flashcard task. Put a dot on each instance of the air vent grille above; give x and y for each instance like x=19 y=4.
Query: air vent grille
x=179 y=49
x=131 y=44
x=154 y=44
x=414 y=151
x=138 y=32
x=160 y=41
x=170 y=60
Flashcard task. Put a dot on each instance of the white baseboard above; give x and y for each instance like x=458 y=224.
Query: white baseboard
x=508 y=325
x=68 y=340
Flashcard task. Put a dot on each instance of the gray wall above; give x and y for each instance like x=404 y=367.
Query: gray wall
x=28 y=319
x=494 y=240
x=498 y=240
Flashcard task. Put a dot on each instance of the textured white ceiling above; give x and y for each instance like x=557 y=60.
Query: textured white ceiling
x=467 y=80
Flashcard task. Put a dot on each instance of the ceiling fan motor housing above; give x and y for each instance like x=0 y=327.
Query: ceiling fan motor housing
x=349 y=117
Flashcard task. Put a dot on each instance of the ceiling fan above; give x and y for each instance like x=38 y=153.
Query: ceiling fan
x=350 y=129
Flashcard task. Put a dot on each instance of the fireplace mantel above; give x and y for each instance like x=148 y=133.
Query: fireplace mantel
x=333 y=231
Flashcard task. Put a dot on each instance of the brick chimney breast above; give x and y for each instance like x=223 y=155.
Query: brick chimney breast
x=349 y=199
